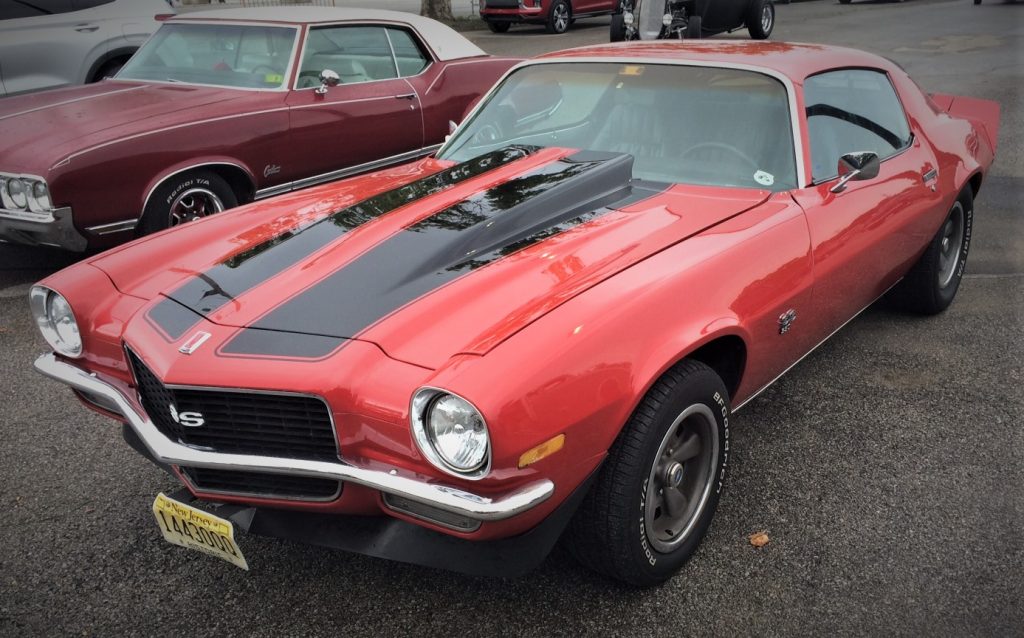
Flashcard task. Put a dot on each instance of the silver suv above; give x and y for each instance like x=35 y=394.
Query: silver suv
x=48 y=43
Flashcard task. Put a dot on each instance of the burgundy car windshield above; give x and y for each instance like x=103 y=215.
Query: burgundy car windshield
x=682 y=124
x=228 y=55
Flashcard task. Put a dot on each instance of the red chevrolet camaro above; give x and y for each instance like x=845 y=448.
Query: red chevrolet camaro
x=544 y=329
x=221 y=108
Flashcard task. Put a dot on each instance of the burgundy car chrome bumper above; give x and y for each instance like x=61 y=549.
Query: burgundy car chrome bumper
x=163 y=450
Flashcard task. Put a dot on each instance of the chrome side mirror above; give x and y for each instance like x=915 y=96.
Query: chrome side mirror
x=856 y=166
x=328 y=78
x=452 y=127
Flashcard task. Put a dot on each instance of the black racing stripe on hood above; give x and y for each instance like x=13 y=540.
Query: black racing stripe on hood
x=448 y=245
x=209 y=291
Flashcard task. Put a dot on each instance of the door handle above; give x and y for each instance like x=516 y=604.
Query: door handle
x=86 y=28
x=406 y=96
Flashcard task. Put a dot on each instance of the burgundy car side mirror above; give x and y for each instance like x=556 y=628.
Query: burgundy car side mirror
x=858 y=166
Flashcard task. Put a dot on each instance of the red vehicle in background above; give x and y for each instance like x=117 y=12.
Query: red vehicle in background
x=222 y=108
x=543 y=329
x=555 y=15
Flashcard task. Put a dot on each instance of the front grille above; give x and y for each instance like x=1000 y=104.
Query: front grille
x=288 y=426
x=259 y=484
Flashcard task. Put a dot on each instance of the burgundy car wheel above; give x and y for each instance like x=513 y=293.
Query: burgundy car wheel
x=186 y=197
x=194 y=204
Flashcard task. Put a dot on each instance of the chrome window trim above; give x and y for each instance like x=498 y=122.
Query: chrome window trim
x=344 y=172
x=285 y=82
x=432 y=58
x=404 y=483
x=794 y=114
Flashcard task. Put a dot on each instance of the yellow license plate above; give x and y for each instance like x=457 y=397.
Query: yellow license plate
x=195 y=529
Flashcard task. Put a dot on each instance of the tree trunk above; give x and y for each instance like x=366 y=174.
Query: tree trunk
x=436 y=9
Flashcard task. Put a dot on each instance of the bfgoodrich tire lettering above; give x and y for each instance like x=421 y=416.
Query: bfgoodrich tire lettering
x=932 y=282
x=612 y=531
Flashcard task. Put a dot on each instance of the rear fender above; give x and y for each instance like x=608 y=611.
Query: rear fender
x=983 y=114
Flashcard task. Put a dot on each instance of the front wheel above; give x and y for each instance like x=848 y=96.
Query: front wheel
x=693 y=28
x=559 y=18
x=498 y=27
x=932 y=282
x=184 y=198
x=617 y=32
x=655 y=496
x=760 y=19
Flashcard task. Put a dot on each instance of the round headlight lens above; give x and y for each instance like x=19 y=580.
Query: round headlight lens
x=18 y=193
x=451 y=433
x=56 y=321
x=40 y=197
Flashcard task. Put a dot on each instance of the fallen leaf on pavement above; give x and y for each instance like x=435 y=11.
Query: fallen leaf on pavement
x=759 y=539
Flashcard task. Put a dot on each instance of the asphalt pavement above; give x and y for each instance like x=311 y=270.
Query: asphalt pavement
x=887 y=468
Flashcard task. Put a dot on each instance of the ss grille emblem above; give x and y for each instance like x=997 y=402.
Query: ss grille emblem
x=188 y=419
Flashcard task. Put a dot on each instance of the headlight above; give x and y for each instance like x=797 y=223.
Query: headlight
x=56 y=321
x=25 y=192
x=451 y=433
x=18 y=193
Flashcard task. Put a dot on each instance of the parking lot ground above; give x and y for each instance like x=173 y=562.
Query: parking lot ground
x=887 y=468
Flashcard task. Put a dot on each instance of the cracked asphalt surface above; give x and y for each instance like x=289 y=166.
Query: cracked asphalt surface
x=887 y=468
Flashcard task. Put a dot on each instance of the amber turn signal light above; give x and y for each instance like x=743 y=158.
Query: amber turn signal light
x=545 y=449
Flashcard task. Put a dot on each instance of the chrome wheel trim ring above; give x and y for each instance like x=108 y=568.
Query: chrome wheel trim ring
x=951 y=245
x=193 y=204
x=665 y=531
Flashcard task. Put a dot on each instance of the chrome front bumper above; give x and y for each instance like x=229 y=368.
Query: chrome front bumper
x=444 y=497
x=24 y=228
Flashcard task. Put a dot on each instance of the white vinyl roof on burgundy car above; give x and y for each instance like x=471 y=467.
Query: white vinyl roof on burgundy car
x=446 y=43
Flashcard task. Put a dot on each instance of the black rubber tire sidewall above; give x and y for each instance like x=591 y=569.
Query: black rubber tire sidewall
x=155 y=217
x=608 y=533
x=617 y=31
x=550 y=24
x=499 y=27
x=693 y=30
x=754 y=19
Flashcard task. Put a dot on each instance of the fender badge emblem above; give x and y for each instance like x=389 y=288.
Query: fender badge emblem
x=194 y=342
x=786 y=320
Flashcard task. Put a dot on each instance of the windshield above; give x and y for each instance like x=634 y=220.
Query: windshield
x=230 y=55
x=682 y=124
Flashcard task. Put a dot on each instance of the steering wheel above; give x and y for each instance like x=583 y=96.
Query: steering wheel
x=714 y=150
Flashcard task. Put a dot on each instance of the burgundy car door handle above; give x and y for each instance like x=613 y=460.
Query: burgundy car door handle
x=406 y=96
x=86 y=28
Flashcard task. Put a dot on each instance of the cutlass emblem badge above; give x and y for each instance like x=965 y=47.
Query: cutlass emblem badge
x=194 y=342
x=188 y=419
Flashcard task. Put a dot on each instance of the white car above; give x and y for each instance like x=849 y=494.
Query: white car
x=50 y=43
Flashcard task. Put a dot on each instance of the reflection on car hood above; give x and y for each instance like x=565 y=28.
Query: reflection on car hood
x=41 y=129
x=455 y=261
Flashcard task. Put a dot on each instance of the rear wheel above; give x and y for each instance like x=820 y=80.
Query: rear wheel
x=617 y=32
x=932 y=282
x=499 y=27
x=760 y=19
x=108 y=70
x=656 y=494
x=559 y=17
x=184 y=198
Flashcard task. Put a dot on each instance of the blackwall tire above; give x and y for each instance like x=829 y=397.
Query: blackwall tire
x=693 y=30
x=617 y=31
x=931 y=284
x=760 y=19
x=499 y=27
x=654 y=497
x=186 y=197
x=559 y=18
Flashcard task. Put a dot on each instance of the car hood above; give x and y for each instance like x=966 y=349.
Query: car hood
x=42 y=129
x=454 y=261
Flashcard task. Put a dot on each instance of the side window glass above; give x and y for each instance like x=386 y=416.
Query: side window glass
x=849 y=111
x=10 y=10
x=356 y=54
x=89 y=4
x=408 y=53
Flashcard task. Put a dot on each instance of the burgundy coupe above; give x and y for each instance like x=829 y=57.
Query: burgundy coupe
x=225 y=107
x=543 y=330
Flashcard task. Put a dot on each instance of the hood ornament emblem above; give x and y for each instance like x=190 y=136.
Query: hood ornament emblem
x=194 y=342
